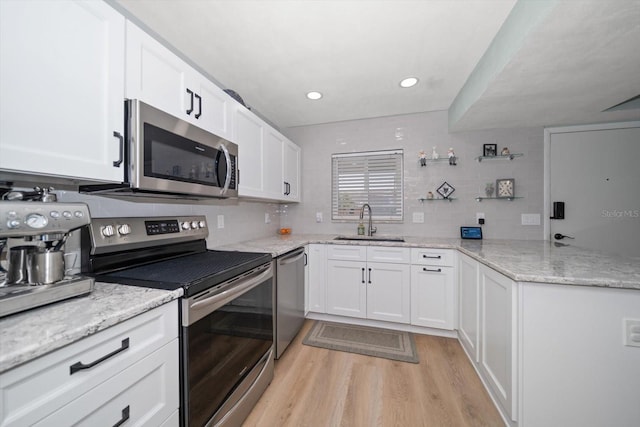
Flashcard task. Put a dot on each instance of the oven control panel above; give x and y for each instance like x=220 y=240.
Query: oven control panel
x=115 y=234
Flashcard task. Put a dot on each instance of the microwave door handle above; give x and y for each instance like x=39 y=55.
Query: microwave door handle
x=227 y=180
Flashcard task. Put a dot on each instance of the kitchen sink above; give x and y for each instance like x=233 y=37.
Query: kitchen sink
x=371 y=238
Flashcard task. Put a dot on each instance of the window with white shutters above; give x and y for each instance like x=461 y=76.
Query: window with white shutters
x=373 y=177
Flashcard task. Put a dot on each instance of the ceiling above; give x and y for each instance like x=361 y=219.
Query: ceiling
x=572 y=60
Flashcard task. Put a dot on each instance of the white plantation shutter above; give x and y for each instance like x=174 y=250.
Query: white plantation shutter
x=374 y=178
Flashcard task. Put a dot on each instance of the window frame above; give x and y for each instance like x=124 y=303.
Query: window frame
x=368 y=156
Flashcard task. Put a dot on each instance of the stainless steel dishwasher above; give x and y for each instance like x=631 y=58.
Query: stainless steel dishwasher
x=289 y=298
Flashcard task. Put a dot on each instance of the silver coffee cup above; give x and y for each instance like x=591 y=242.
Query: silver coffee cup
x=45 y=267
x=18 y=262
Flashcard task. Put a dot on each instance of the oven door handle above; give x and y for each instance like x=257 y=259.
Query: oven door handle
x=196 y=310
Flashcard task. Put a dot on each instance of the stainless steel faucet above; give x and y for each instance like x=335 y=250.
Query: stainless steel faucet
x=371 y=229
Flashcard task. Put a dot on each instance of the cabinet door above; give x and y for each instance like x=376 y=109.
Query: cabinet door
x=291 y=171
x=144 y=394
x=468 y=288
x=496 y=341
x=272 y=164
x=215 y=107
x=346 y=288
x=250 y=153
x=317 y=267
x=388 y=292
x=156 y=75
x=62 y=88
x=432 y=296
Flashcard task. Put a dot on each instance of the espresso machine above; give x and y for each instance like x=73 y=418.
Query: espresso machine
x=33 y=265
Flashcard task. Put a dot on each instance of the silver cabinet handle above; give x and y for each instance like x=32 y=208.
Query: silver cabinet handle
x=118 y=162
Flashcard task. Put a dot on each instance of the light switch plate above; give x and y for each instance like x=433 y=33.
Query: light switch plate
x=267 y=218
x=631 y=332
x=220 y=221
x=418 y=217
x=318 y=216
x=530 y=219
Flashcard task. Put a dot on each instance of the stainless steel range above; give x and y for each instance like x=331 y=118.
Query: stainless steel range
x=32 y=258
x=226 y=338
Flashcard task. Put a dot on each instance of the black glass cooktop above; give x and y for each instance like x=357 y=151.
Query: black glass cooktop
x=194 y=272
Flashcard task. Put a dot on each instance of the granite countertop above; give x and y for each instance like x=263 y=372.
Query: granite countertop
x=536 y=261
x=33 y=333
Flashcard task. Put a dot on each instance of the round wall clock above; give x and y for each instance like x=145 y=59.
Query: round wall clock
x=505 y=188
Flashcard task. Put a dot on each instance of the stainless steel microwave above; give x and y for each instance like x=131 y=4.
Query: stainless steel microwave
x=168 y=157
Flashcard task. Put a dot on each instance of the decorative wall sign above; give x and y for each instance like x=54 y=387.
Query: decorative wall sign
x=505 y=188
x=490 y=150
x=445 y=190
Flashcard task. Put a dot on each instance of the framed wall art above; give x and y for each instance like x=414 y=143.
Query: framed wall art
x=489 y=150
x=505 y=188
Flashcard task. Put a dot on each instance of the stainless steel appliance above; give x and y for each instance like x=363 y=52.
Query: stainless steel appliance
x=289 y=298
x=32 y=236
x=167 y=157
x=226 y=339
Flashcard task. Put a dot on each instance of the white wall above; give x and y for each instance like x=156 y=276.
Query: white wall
x=413 y=133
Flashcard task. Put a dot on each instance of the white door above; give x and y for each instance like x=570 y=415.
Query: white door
x=215 y=108
x=346 y=288
x=388 y=292
x=594 y=171
x=432 y=296
x=61 y=88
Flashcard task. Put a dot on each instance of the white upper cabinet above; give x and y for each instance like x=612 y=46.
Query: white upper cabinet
x=269 y=163
x=61 y=89
x=291 y=171
x=160 y=78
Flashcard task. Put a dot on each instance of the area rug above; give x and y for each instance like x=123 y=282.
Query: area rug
x=394 y=345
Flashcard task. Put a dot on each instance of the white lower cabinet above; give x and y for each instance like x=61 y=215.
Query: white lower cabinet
x=433 y=288
x=497 y=361
x=317 y=282
x=468 y=304
x=378 y=289
x=133 y=364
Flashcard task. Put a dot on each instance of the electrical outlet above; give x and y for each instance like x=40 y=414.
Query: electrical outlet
x=631 y=332
x=418 y=217
x=530 y=219
x=318 y=216
x=220 y=221
x=480 y=218
x=267 y=218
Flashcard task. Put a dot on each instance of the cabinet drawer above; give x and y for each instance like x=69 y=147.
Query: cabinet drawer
x=347 y=252
x=145 y=394
x=389 y=254
x=38 y=388
x=420 y=256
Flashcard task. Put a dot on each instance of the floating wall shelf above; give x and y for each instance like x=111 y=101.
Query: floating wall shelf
x=449 y=199
x=479 y=199
x=508 y=156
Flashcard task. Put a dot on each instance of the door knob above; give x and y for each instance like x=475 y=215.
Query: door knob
x=559 y=236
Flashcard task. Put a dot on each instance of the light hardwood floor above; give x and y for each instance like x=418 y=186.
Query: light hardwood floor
x=317 y=387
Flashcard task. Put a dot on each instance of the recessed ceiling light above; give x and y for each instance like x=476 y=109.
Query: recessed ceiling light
x=409 y=81
x=314 y=95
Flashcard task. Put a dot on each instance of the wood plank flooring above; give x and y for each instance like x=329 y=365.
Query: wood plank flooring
x=318 y=387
